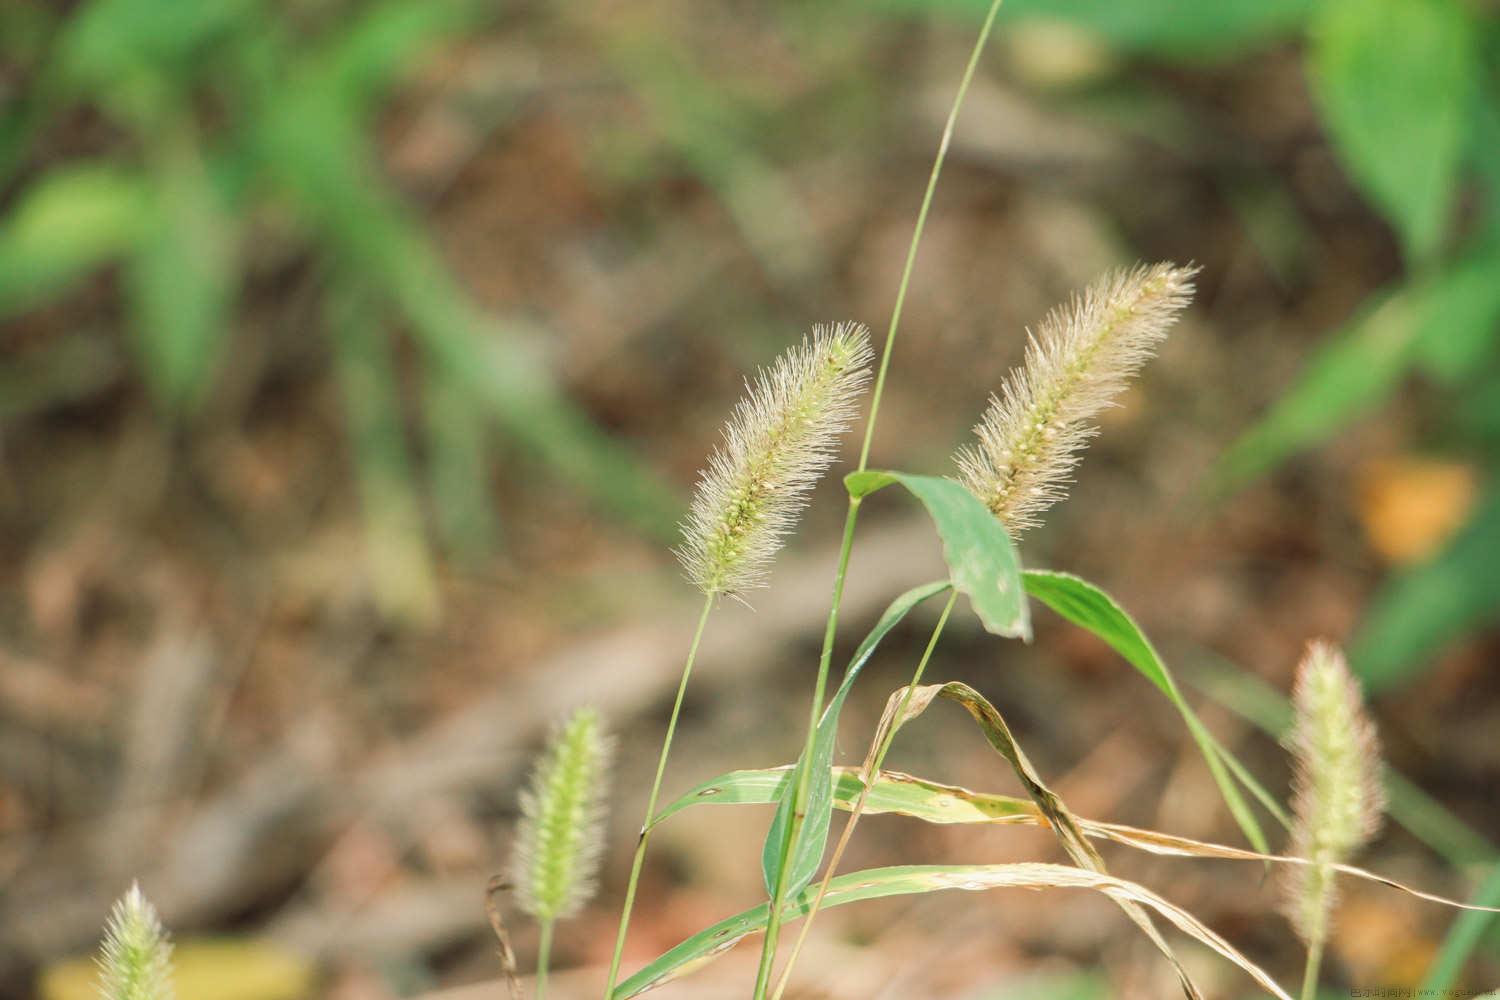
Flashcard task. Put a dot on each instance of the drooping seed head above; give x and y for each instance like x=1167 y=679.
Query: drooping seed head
x=1337 y=797
x=135 y=961
x=1032 y=432
x=779 y=440
x=560 y=839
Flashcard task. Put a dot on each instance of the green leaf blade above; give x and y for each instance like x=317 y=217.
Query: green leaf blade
x=903 y=880
x=1394 y=79
x=1090 y=608
x=980 y=555
x=812 y=833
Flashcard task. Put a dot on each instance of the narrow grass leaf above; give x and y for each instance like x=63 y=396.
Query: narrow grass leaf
x=907 y=795
x=1069 y=835
x=1394 y=80
x=1461 y=940
x=979 y=553
x=73 y=219
x=1352 y=371
x=812 y=835
x=878 y=883
x=180 y=279
x=1089 y=607
x=1460 y=322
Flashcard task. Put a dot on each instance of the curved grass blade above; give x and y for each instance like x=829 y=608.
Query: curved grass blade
x=892 y=792
x=934 y=802
x=812 y=833
x=1069 y=835
x=1085 y=605
x=980 y=555
x=902 y=880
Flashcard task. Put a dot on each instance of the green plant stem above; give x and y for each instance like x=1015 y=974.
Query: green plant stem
x=543 y=956
x=773 y=919
x=773 y=925
x=867 y=779
x=661 y=767
x=1310 y=973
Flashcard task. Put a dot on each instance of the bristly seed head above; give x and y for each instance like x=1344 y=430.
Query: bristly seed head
x=560 y=839
x=1337 y=797
x=135 y=961
x=779 y=440
x=1030 y=435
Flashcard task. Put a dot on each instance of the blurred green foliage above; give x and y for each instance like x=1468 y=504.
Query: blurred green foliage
x=238 y=110
x=1409 y=96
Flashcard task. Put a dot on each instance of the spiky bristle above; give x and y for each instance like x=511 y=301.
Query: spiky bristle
x=1032 y=432
x=1337 y=797
x=779 y=440
x=135 y=960
x=560 y=839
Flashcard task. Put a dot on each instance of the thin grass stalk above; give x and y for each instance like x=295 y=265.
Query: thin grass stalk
x=773 y=926
x=661 y=767
x=543 y=959
x=1311 y=969
x=867 y=779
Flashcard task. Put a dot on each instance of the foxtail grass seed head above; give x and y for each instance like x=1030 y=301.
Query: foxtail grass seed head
x=135 y=961
x=780 y=438
x=1032 y=432
x=560 y=838
x=1337 y=798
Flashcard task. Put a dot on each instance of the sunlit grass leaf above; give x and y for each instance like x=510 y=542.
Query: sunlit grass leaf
x=981 y=557
x=72 y=220
x=933 y=802
x=812 y=835
x=1085 y=605
x=1394 y=79
x=1190 y=31
x=892 y=792
x=1423 y=609
x=1350 y=373
x=180 y=278
x=878 y=883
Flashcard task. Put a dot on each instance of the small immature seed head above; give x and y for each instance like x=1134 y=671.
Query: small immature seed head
x=780 y=438
x=560 y=838
x=1030 y=435
x=135 y=961
x=1337 y=798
